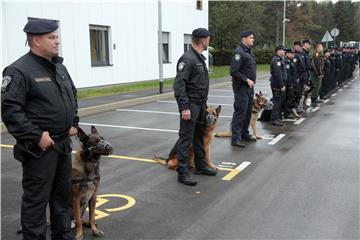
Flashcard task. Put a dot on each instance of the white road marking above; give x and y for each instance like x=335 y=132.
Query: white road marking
x=220 y=90
x=221 y=96
x=242 y=166
x=346 y=85
x=340 y=90
x=333 y=95
x=278 y=138
x=222 y=104
x=289 y=120
x=299 y=121
x=315 y=109
x=268 y=137
x=225 y=166
x=130 y=127
x=158 y=112
x=326 y=100
x=228 y=163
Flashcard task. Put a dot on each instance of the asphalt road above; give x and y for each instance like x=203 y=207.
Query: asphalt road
x=303 y=186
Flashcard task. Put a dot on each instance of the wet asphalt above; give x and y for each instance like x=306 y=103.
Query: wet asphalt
x=305 y=186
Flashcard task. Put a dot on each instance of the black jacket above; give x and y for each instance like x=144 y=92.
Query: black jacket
x=192 y=79
x=291 y=72
x=243 y=64
x=306 y=56
x=277 y=71
x=38 y=96
x=299 y=60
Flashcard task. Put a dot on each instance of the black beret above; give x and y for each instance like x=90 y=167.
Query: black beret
x=289 y=50
x=306 y=41
x=201 y=33
x=246 y=33
x=280 y=47
x=297 y=43
x=40 y=26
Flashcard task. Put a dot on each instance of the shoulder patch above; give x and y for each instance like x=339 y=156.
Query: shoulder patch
x=294 y=60
x=237 y=57
x=5 y=82
x=278 y=63
x=181 y=66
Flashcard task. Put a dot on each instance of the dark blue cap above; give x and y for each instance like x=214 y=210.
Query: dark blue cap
x=280 y=47
x=297 y=43
x=289 y=50
x=246 y=33
x=201 y=33
x=40 y=26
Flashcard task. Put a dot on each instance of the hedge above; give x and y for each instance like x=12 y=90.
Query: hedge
x=223 y=57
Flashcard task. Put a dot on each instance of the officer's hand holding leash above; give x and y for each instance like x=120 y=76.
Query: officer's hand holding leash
x=45 y=141
x=186 y=114
x=73 y=131
x=250 y=83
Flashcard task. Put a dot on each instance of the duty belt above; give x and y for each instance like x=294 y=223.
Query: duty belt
x=198 y=100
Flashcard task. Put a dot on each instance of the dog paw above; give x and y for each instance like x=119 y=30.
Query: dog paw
x=79 y=237
x=98 y=233
x=258 y=137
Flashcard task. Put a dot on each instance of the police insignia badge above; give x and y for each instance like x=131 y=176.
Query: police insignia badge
x=5 y=82
x=295 y=60
x=278 y=64
x=237 y=57
x=287 y=66
x=181 y=66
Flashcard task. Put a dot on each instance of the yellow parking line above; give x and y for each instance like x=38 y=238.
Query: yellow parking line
x=229 y=176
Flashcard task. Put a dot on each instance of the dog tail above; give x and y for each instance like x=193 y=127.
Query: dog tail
x=160 y=160
x=223 y=134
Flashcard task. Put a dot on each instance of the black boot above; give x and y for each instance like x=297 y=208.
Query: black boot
x=206 y=171
x=186 y=179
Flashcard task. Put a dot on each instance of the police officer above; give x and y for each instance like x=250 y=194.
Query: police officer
x=277 y=81
x=305 y=81
x=243 y=73
x=316 y=73
x=289 y=107
x=191 y=88
x=299 y=60
x=39 y=109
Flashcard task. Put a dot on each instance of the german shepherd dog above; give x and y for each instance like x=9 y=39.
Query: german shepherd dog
x=212 y=115
x=259 y=103
x=86 y=178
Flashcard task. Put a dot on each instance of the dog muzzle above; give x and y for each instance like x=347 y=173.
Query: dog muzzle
x=210 y=119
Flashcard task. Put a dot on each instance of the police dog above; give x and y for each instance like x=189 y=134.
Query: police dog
x=212 y=115
x=259 y=103
x=85 y=179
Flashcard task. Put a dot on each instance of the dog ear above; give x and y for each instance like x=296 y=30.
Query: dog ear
x=257 y=94
x=82 y=135
x=218 y=109
x=260 y=93
x=94 y=130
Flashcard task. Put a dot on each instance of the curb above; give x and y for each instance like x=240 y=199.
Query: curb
x=82 y=112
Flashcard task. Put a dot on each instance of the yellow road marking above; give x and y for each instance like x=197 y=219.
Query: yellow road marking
x=232 y=172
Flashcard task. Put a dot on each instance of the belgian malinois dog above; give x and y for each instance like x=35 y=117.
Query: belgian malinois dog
x=212 y=115
x=85 y=179
x=259 y=103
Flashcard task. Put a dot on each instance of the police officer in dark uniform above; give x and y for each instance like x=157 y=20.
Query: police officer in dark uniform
x=191 y=88
x=292 y=80
x=299 y=60
x=39 y=109
x=277 y=81
x=243 y=73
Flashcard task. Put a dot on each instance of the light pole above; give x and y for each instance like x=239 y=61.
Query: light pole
x=160 y=51
x=284 y=23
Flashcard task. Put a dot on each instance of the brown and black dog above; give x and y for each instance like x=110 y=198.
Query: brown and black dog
x=212 y=115
x=259 y=103
x=86 y=178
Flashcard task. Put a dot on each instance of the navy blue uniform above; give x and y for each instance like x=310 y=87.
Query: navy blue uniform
x=243 y=67
x=277 y=81
x=38 y=95
x=191 y=88
x=290 y=83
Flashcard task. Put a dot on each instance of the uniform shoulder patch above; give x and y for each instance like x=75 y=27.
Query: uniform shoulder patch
x=294 y=60
x=278 y=63
x=181 y=66
x=237 y=57
x=5 y=82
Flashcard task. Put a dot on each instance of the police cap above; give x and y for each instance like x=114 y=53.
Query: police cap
x=40 y=26
x=246 y=33
x=306 y=41
x=297 y=43
x=289 y=50
x=280 y=47
x=201 y=33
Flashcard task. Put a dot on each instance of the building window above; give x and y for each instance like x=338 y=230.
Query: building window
x=187 y=42
x=166 y=47
x=199 y=4
x=99 y=45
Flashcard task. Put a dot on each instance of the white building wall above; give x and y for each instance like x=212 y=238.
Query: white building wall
x=133 y=25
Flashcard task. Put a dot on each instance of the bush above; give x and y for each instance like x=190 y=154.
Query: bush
x=223 y=57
